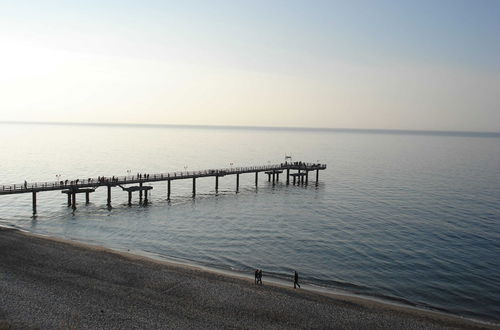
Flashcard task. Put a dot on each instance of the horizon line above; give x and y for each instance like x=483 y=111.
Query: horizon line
x=279 y=128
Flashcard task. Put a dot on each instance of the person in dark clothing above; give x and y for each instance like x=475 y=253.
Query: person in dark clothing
x=296 y=280
x=256 y=275
x=259 y=276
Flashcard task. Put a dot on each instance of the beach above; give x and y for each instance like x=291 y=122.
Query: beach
x=53 y=283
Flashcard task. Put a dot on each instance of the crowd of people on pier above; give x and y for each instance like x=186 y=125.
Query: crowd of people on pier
x=102 y=179
x=301 y=164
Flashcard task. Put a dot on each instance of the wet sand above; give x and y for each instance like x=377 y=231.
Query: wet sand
x=53 y=283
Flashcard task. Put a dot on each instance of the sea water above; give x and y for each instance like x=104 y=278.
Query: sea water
x=412 y=217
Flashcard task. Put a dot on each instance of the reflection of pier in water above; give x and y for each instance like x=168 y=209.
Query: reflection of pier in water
x=87 y=186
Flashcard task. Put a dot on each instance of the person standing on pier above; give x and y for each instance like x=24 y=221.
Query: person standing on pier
x=296 y=280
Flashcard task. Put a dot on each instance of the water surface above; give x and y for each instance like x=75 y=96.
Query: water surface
x=409 y=217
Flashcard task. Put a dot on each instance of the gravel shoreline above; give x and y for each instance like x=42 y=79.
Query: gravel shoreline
x=55 y=284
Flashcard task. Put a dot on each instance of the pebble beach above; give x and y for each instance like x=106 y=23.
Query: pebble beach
x=53 y=283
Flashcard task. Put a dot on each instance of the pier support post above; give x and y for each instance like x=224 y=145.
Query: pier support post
x=194 y=187
x=268 y=177
x=87 y=197
x=287 y=176
x=302 y=179
x=140 y=193
x=277 y=177
x=256 y=179
x=307 y=177
x=237 y=182
x=145 y=197
x=168 y=190
x=34 y=202
x=109 y=196
x=129 y=198
x=317 y=176
x=216 y=184
x=69 y=199
x=294 y=179
x=73 y=201
x=274 y=174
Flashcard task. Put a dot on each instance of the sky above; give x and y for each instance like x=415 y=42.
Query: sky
x=419 y=65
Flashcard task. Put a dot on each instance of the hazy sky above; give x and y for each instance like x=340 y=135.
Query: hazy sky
x=347 y=64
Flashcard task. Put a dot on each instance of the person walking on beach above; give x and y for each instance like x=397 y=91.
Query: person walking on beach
x=296 y=280
x=256 y=276
x=259 y=276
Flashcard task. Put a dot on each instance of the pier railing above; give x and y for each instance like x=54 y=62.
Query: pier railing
x=138 y=178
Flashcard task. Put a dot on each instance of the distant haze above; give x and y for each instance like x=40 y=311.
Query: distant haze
x=423 y=65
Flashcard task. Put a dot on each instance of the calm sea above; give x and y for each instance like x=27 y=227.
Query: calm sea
x=413 y=218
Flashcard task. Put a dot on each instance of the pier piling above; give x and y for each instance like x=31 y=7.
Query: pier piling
x=287 y=176
x=73 y=201
x=194 y=187
x=168 y=190
x=216 y=184
x=140 y=188
x=237 y=183
x=140 y=193
x=256 y=179
x=109 y=196
x=34 y=202
x=87 y=197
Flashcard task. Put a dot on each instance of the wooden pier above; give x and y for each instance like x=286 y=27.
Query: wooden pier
x=73 y=187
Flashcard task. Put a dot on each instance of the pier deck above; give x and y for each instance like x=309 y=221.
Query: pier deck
x=88 y=185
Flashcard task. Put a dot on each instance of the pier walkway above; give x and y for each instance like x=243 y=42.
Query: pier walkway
x=88 y=185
